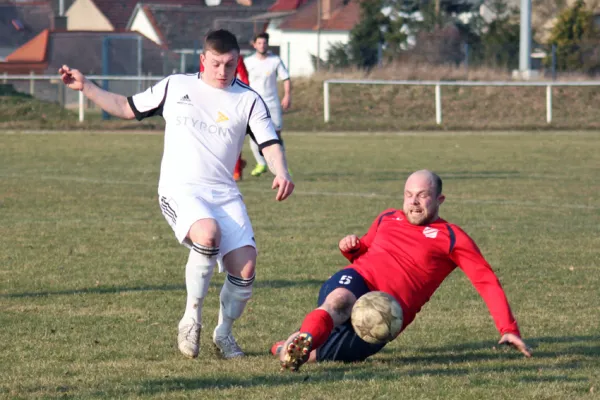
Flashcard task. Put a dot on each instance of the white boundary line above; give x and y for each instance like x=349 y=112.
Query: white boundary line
x=432 y=133
x=371 y=195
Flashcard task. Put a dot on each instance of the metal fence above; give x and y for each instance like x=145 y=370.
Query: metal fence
x=438 y=91
x=50 y=88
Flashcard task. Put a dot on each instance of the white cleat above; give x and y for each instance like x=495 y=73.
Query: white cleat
x=188 y=339
x=227 y=346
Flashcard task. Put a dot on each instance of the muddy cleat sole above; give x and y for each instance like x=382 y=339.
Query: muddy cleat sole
x=297 y=352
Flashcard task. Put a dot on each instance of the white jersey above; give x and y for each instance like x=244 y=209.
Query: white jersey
x=204 y=133
x=263 y=75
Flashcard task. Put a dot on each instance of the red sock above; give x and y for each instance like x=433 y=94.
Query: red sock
x=238 y=167
x=319 y=324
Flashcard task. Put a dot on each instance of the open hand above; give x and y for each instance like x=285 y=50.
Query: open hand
x=516 y=342
x=284 y=186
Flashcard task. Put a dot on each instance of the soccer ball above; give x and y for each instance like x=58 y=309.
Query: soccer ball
x=376 y=317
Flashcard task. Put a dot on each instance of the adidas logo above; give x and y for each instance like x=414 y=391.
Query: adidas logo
x=430 y=232
x=221 y=117
x=185 y=98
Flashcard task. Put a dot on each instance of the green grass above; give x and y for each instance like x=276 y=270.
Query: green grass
x=91 y=277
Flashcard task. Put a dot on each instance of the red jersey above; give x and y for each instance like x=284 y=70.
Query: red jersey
x=241 y=71
x=411 y=261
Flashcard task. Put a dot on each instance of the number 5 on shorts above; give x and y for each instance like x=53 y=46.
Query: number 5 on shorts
x=345 y=280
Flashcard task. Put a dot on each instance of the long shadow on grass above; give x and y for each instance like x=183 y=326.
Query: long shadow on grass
x=367 y=371
x=273 y=283
x=534 y=342
x=478 y=351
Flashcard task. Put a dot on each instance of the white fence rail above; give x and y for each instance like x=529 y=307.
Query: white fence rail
x=133 y=84
x=438 y=91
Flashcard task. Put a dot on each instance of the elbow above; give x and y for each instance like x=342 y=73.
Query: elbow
x=126 y=111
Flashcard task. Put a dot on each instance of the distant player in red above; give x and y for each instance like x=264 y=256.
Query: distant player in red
x=407 y=253
x=242 y=75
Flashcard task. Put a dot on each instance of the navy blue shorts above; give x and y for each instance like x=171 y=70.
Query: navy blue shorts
x=344 y=344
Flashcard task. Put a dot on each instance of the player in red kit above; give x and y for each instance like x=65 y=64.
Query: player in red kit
x=242 y=75
x=407 y=253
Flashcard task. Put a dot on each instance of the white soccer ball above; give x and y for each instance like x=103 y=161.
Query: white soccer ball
x=377 y=317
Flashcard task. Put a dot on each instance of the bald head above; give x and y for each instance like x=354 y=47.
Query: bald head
x=422 y=197
x=427 y=177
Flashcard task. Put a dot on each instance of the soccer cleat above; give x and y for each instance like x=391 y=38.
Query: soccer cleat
x=276 y=348
x=259 y=170
x=297 y=352
x=188 y=339
x=239 y=168
x=227 y=347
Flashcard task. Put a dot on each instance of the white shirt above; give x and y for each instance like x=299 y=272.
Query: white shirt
x=204 y=133
x=263 y=75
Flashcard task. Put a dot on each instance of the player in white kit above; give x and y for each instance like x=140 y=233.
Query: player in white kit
x=207 y=117
x=264 y=69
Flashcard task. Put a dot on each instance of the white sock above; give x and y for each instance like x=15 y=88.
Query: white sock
x=259 y=158
x=198 y=271
x=234 y=295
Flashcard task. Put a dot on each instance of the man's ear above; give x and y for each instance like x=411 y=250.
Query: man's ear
x=441 y=198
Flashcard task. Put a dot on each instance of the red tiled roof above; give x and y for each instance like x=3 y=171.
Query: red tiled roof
x=83 y=49
x=33 y=51
x=343 y=17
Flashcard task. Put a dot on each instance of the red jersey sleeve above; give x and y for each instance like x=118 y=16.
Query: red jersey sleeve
x=367 y=239
x=242 y=72
x=467 y=256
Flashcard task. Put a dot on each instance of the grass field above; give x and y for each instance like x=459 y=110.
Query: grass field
x=91 y=277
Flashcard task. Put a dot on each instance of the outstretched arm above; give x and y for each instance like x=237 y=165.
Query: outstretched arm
x=466 y=254
x=112 y=103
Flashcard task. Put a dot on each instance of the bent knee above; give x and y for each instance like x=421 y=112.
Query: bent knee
x=340 y=301
x=205 y=232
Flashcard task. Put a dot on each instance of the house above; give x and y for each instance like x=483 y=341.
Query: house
x=107 y=15
x=302 y=35
x=91 y=52
x=22 y=21
x=181 y=28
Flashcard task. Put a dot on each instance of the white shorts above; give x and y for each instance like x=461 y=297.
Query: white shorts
x=276 y=115
x=181 y=211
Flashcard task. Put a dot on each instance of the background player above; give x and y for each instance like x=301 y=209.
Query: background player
x=406 y=253
x=264 y=68
x=207 y=117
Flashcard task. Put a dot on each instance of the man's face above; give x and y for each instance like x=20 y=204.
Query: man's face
x=261 y=45
x=219 y=69
x=421 y=204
